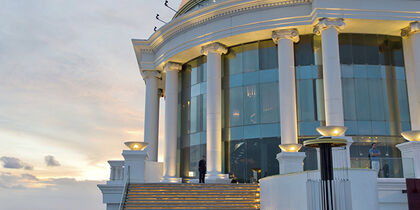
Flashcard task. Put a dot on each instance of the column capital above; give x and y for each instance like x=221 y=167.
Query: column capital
x=214 y=48
x=146 y=74
x=172 y=66
x=326 y=23
x=291 y=34
x=413 y=28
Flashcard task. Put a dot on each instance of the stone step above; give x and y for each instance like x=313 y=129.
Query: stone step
x=189 y=205
x=190 y=208
x=186 y=196
x=190 y=201
x=192 y=196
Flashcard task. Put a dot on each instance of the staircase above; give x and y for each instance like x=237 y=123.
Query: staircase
x=192 y=196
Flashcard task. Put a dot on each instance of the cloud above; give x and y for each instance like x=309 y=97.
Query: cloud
x=14 y=163
x=26 y=191
x=51 y=161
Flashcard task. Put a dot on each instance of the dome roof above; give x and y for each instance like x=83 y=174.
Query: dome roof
x=188 y=5
x=183 y=3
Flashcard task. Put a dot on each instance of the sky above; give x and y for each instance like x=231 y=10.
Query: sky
x=70 y=95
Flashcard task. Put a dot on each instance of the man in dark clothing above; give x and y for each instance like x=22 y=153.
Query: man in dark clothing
x=202 y=168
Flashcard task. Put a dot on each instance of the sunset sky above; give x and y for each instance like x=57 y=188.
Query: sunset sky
x=70 y=95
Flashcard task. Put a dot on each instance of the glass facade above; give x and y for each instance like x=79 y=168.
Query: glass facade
x=374 y=97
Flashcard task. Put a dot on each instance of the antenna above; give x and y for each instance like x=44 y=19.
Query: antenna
x=157 y=17
x=166 y=4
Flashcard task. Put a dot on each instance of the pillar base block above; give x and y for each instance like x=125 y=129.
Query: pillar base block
x=410 y=154
x=171 y=180
x=290 y=162
x=217 y=178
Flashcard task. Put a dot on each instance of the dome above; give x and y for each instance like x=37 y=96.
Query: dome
x=190 y=5
x=183 y=3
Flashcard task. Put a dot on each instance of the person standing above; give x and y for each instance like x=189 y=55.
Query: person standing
x=202 y=168
x=374 y=154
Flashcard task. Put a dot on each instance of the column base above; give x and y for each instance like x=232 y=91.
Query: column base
x=171 y=180
x=290 y=162
x=217 y=178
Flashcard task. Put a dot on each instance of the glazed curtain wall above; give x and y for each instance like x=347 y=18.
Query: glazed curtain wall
x=374 y=94
x=192 y=116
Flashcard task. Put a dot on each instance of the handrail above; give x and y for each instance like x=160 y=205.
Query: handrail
x=125 y=191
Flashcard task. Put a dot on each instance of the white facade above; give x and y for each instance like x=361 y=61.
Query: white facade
x=227 y=23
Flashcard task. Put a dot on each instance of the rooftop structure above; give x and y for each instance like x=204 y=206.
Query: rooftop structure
x=246 y=82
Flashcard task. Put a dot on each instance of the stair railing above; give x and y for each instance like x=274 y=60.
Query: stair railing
x=125 y=191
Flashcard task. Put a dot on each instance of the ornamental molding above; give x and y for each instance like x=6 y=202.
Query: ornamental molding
x=291 y=34
x=214 y=48
x=326 y=23
x=172 y=66
x=210 y=13
x=413 y=28
x=147 y=74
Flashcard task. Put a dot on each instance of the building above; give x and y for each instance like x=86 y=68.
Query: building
x=240 y=77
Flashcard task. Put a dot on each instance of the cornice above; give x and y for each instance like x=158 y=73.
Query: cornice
x=210 y=13
x=167 y=42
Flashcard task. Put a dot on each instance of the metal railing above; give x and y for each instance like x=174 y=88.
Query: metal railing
x=340 y=194
x=125 y=191
x=388 y=167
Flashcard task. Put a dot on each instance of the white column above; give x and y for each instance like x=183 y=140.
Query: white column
x=214 y=109
x=411 y=47
x=410 y=151
x=290 y=160
x=287 y=84
x=329 y=28
x=151 y=118
x=171 y=121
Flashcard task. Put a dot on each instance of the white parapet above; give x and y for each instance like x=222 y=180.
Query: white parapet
x=117 y=172
x=134 y=166
x=410 y=154
x=111 y=195
x=290 y=162
x=292 y=191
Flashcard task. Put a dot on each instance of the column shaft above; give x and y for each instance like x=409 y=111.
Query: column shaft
x=214 y=109
x=411 y=47
x=287 y=92
x=171 y=114
x=214 y=114
x=151 y=119
x=332 y=77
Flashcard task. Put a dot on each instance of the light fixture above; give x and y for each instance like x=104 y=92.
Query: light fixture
x=191 y=174
x=136 y=145
x=290 y=147
x=331 y=130
x=411 y=135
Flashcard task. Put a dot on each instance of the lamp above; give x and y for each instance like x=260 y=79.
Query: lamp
x=290 y=147
x=136 y=145
x=331 y=130
x=411 y=135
